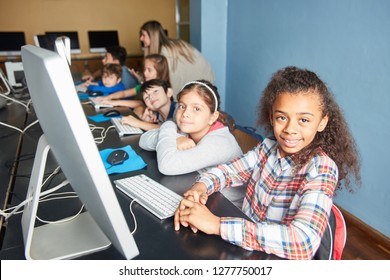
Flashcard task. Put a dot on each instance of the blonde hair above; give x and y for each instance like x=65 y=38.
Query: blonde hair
x=159 y=39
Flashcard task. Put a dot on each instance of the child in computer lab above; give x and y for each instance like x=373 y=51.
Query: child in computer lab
x=155 y=67
x=157 y=96
x=111 y=80
x=198 y=139
x=115 y=55
x=291 y=176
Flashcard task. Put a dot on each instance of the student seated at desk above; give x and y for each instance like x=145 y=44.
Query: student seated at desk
x=157 y=96
x=206 y=141
x=155 y=67
x=116 y=55
x=290 y=178
x=111 y=80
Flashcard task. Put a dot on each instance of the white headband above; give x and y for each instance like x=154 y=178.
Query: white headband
x=206 y=86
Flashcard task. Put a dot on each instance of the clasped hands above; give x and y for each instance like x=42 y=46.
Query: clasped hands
x=193 y=212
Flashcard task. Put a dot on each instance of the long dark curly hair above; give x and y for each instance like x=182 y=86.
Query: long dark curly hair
x=336 y=140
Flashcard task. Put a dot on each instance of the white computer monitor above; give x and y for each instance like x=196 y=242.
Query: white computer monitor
x=66 y=133
x=100 y=40
x=51 y=37
x=11 y=42
x=15 y=73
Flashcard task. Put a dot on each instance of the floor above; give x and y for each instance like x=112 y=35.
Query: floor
x=363 y=245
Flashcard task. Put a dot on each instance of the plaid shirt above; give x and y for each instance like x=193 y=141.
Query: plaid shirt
x=288 y=212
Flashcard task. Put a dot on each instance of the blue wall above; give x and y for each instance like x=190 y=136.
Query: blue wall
x=346 y=42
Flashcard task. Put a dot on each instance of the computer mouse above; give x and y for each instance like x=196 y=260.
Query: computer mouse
x=117 y=157
x=95 y=93
x=112 y=113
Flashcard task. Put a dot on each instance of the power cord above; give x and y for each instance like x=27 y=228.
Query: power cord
x=18 y=129
x=103 y=132
x=14 y=209
x=132 y=213
x=26 y=105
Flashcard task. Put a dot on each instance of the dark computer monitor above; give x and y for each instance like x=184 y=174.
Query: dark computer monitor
x=51 y=37
x=67 y=135
x=42 y=41
x=99 y=40
x=11 y=42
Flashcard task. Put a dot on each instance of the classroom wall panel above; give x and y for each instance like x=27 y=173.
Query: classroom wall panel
x=37 y=16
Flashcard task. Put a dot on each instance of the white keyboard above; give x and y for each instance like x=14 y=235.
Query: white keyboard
x=124 y=129
x=98 y=105
x=156 y=198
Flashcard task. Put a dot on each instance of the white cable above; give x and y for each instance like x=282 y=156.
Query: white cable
x=99 y=140
x=18 y=129
x=17 y=101
x=63 y=220
x=132 y=213
x=42 y=199
x=16 y=208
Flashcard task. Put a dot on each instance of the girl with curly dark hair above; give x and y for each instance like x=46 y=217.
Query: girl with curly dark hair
x=291 y=178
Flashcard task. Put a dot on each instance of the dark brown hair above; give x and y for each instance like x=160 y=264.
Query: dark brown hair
x=208 y=97
x=336 y=140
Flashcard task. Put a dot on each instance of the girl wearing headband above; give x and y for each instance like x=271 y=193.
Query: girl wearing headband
x=199 y=138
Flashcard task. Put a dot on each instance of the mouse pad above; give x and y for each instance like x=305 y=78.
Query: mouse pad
x=83 y=96
x=134 y=162
x=101 y=118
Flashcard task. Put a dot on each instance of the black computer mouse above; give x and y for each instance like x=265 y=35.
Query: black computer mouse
x=112 y=113
x=95 y=93
x=117 y=157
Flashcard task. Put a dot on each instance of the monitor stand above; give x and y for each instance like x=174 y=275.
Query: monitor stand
x=68 y=240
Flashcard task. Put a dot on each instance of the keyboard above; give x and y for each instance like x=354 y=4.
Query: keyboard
x=98 y=105
x=125 y=129
x=156 y=198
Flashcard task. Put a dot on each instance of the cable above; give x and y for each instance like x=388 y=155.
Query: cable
x=17 y=207
x=103 y=133
x=62 y=220
x=18 y=129
x=132 y=213
x=17 y=101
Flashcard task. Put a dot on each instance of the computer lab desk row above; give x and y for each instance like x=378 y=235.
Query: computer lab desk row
x=156 y=239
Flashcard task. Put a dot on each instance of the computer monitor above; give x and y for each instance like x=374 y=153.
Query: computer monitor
x=11 y=42
x=99 y=40
x=51 y=37
x=66 y=133
x=42 y=41
x=15 y=73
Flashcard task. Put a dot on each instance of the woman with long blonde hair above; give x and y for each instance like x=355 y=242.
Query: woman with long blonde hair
x=186 y=63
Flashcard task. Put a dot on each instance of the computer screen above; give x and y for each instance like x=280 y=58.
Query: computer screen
x=11 y=42
x=51 y=37
x=99 y=40
x=66 y=132
x=42 y=41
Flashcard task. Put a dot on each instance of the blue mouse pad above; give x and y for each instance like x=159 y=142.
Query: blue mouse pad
x=134 y=162
x=101 y=118
x=83 y=96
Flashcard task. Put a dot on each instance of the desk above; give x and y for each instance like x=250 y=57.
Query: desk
x=155 y=239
